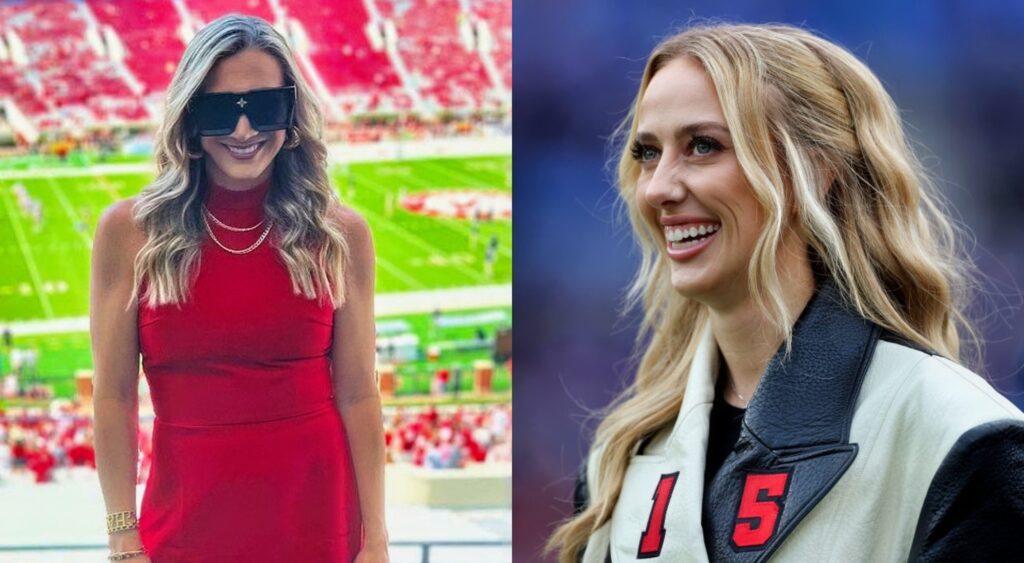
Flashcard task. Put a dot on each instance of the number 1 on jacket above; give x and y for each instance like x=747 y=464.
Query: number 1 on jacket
x=653 y=536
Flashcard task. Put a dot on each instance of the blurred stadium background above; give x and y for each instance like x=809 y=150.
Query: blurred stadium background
x=954 y=71
x=417 y=95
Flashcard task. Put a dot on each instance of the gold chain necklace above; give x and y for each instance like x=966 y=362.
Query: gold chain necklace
x=251 y=247
x=736 y=392
x=229 y=227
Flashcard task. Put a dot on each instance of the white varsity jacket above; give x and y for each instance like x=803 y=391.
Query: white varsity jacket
x=860 y=447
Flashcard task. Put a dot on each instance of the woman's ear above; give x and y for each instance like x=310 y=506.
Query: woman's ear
x=193 y=146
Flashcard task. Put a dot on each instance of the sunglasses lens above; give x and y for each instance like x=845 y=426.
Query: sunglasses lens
x=267 y=110
x=270 y=110
x=214 y=115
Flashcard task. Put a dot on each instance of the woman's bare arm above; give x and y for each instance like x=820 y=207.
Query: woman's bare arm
x=115 y=351
x=355 y=386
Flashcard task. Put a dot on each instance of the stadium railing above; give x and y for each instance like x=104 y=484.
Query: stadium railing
x=425 y=546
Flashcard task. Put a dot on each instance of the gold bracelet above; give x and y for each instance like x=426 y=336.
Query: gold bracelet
x=120 y=521
x=122 y=555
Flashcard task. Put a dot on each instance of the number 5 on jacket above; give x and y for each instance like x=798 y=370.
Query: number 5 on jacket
x=653 y=536
x=760 y=510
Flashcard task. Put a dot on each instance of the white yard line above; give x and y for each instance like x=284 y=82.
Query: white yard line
x=114 y=196
x=468 y=179
x=65 y=203
x=72 y=171
x=26 y=253
x=382 y=222
x=385 y=305
x=394 y=270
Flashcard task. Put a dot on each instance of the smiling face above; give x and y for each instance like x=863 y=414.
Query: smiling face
x=230 y=160
x=691 y=188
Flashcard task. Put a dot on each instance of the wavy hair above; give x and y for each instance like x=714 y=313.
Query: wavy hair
x=169 y=210
x=822 y=146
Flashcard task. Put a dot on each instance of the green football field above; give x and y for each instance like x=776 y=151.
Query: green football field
x=45 y=270
x=61 y=355
x=46 y=267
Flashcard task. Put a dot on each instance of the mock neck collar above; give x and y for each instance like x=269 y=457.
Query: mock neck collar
x=220 y=197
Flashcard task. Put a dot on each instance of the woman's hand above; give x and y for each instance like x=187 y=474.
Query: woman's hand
x=373 y=553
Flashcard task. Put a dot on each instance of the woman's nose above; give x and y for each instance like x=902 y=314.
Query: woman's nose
x=666 y=187
x=243 y=129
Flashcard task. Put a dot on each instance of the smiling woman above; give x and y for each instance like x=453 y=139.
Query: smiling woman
x=689 y=178
x=247 y=89
x=801 y=394
x=247 y=290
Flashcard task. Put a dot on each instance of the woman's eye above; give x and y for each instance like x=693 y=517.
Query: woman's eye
x=703 y=146
x=644 y=153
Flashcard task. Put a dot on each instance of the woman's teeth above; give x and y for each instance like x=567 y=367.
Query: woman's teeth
x=244 y=151
x=692 y=235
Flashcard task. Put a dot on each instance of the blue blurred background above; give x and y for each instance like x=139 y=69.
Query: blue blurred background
x=954 y=69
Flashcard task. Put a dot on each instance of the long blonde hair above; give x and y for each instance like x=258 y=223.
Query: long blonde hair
x=169 y=209
x=814 y=132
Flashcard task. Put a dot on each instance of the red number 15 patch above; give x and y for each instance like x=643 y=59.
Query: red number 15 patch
x=760 y=510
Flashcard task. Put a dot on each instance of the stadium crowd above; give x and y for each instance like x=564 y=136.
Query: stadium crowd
x=382 y=69
x=58 y=445
x=37 y=444
x=449 y=438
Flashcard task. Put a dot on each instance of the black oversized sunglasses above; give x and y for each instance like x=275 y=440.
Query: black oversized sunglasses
x=268 y=109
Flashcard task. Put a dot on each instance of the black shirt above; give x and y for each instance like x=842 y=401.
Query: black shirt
x=723 y=432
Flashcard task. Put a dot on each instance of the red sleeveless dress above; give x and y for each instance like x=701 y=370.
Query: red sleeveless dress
x=250 y=456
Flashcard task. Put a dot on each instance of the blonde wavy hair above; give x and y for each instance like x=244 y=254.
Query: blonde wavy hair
x=169 y=210
x=817 y=134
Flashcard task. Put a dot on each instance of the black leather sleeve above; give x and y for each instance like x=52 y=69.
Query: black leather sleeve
x=580 y=493
x=974 y=510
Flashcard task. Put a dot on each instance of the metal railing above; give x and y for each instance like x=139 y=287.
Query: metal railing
x=425 y=546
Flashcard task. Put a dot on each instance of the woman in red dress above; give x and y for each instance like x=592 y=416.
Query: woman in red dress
x=247 y=289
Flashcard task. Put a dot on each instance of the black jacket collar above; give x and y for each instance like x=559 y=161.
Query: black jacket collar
x=798 y=424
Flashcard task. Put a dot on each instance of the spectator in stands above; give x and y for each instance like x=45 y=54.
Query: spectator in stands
x=19 y=455
x=428 y=438
x=39 y=460
x=501 y=452
x=81 y=452
x=443 y=453
x=441 y=381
